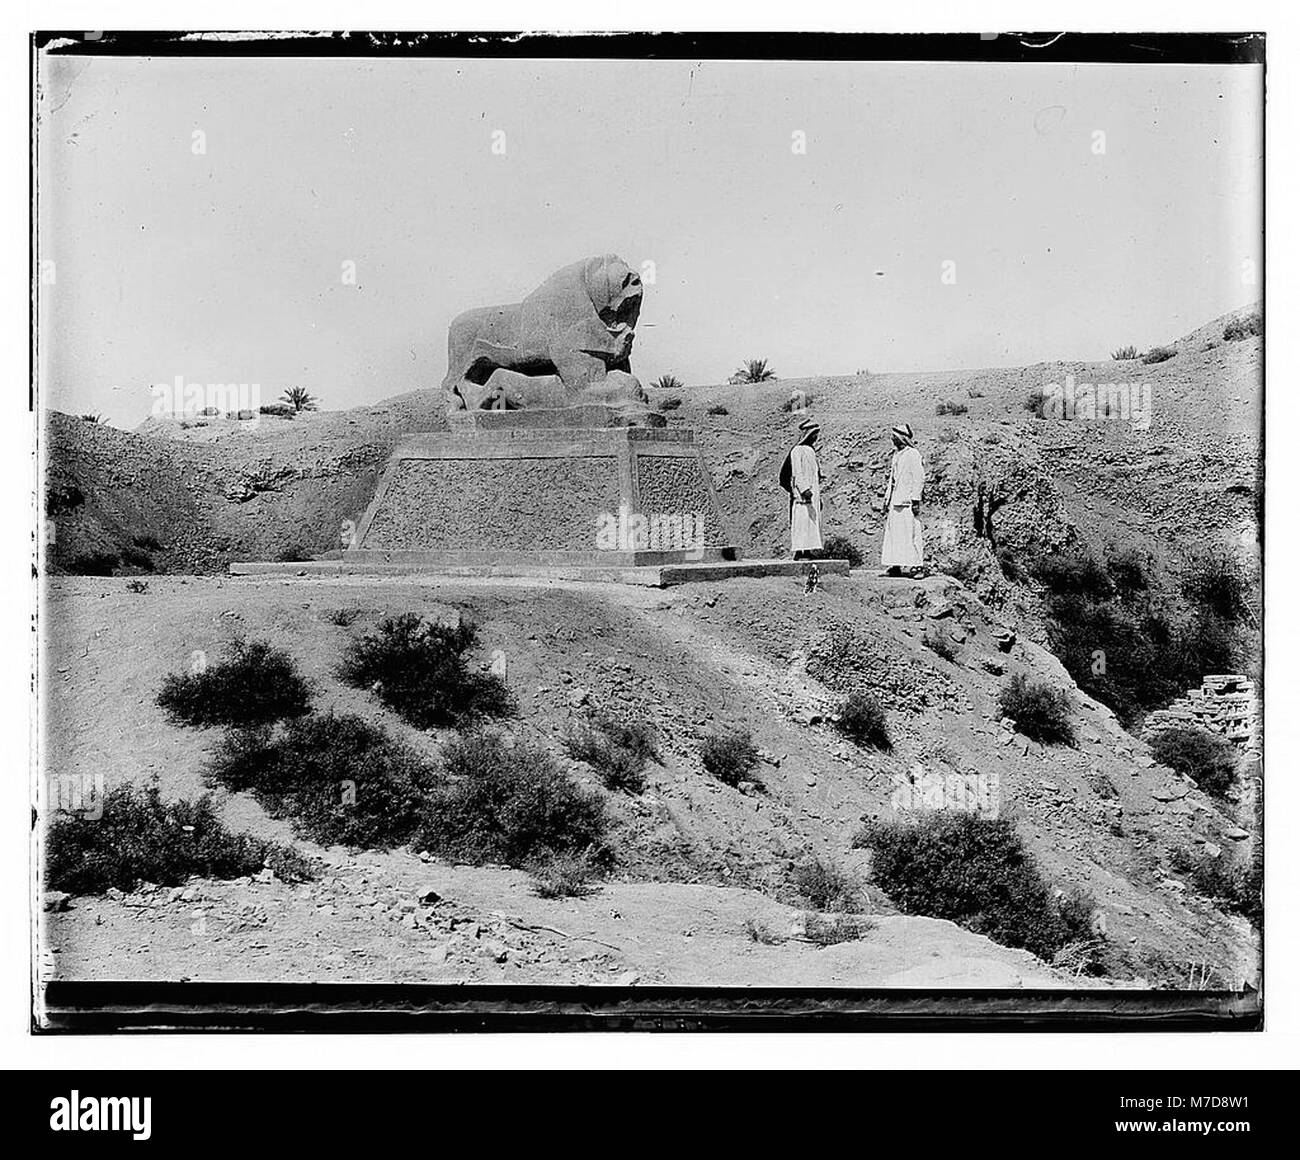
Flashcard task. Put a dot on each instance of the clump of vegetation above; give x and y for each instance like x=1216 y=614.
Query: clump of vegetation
x=1159 y=354
x=862 y=720
x=1247 y=326
x=1218 y=583
x=1124 y=353
x=93 y=563
x=1235 y=888
x=65 y=498
x=1129 y=571
x=1205 y=757
x=1035 y=402
x=718 y=409
x=753 y=370
x=1041 y=712
x=148 y=541
x=139 y=587
x=974 y=392
x=825 y=886
x=670 y=404
x=278 y=410
x=840 y=547
x=254 y=685
x=300 y=399
x=1076 y=573
x=141 y=838
x=798 y=401
x=133 y=557
x=617 y=750
x=92 y=418
x=563 y=876
x=419 y=670
x=293 y=554
x=343 y=617
x=510 y=804
x=950 y=407
x=730 y=757
x=339 y=779
x=966 y=566
x=668 y=383
x=826 y=930
x=761 y=933
x=1096 y=612
x=940 y=643
x=976 y=872
x=1162 y=656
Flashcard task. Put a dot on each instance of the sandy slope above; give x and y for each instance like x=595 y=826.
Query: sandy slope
x=694 y=659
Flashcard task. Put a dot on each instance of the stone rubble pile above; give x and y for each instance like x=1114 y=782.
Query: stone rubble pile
x=1225 y=704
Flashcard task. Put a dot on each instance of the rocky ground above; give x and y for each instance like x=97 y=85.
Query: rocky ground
x=702 y=867
x=694 y=855
x=391 y=918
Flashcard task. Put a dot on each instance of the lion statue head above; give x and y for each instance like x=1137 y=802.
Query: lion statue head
x=615 y=290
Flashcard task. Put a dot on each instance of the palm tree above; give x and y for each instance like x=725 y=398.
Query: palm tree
x=754 y=370
x=299 y=398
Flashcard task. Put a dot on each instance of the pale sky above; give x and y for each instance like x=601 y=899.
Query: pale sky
x=227 y=265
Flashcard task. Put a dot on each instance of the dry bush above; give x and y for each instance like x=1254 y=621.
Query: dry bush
x=254 y=685
x=141 y=838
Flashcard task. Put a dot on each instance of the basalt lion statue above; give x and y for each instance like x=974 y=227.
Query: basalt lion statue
x=568 y=343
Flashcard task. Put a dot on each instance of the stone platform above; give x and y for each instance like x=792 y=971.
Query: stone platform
x=515 y=487
x=651 y=576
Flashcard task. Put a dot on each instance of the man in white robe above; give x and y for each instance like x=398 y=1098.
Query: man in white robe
x=800 y=478
x=903 y=546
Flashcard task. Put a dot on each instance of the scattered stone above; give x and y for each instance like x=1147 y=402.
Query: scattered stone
x=56 y=900
x=1236 y=834
x=498 y=952
x=430 y=897
x=265 y=875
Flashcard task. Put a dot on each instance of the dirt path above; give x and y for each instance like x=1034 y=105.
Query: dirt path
x=364 y=920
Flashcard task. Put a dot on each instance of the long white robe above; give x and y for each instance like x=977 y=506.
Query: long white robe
x=805 y=518
x=904 y=545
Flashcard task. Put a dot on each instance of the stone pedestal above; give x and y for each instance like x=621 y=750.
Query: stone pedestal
x=522 y=487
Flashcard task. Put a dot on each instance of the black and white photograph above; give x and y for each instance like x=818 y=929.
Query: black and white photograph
x=670 y=524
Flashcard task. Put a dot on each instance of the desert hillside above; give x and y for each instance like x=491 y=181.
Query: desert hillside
x=700 y=890
x=753 y=654
x=209 y=491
